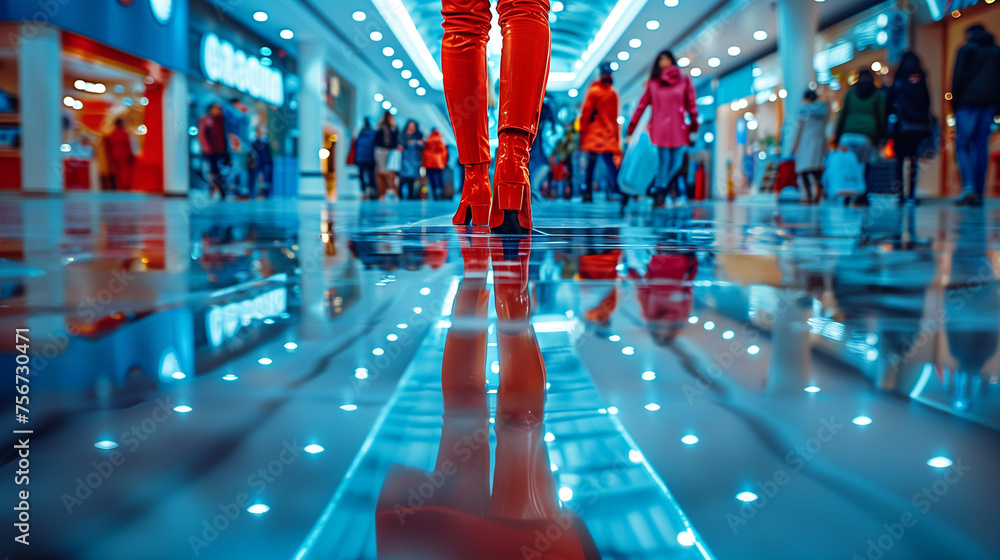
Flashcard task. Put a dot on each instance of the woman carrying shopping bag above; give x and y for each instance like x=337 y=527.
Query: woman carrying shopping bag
x=809 y=147
x=671 y=95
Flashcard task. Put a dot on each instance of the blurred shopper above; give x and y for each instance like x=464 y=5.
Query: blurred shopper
x=975 y=94
x=524 y=68
x=600 y=131
x=910 y=121
x=214 y=147
x=237 y=132
x=262 y=168
x=675 y=117
x=118 y=150
x=861 y=125
x=809 y=147
x=386 y=140
x=364 y=158
x=409 y=173
x=435 y=162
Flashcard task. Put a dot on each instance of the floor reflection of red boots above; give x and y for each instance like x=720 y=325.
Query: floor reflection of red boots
x=449 y=514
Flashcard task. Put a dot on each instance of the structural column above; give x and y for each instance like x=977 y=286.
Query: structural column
x=797 y=26
x=39 y=70
x=312 y=58
x=176 y=180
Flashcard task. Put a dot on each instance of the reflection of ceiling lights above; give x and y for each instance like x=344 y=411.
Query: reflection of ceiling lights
x=359 y=16
x=286 y=34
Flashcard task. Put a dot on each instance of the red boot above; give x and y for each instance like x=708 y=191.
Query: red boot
x=466 y=83
x=511 y=210
x=474 y=208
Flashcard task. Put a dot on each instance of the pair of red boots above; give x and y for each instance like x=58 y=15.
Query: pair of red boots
x=508 y=209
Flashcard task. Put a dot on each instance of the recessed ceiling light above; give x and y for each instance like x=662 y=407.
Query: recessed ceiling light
x=388 y=51
x=683 y=62
x=397 y=64
x=670 y=3
x=286 y=34
x=734 y=51
x=623 y=56
x=573 y=92
x=812 y=389
x=714 y=62
x=648 y=375
x=260 y=16
x=406 y=74
x=230 y=377
x=414 y=82
x=349 y=407
x=379 y=97
x=760 y=35
x=635 y=43
x=753 y=350
x=615 y=66
x=421 y=91
x=359 y=16
x=695 y=72
x=652 y=407
x=557 y=6
x=652 y=25
x=376 y=36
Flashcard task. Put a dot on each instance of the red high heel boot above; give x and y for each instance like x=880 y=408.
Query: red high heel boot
x=466 y=83
x=474 y=208
x=526 y=44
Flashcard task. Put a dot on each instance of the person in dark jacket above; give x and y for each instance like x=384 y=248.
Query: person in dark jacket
x=861 y=125
x=386 y=140
x=263 y=165
x=364 y=158
x=909 y=108
x=412 y=142
x=975 y=94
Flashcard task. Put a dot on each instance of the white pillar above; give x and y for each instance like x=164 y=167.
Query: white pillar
x=40 y=76
x=797 y=26
x=312 y=59
x=176 y=180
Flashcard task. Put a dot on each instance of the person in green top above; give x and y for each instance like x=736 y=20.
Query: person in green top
x=862 y=122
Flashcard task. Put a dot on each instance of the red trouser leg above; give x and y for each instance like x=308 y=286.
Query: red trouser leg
x=463 y=63
x=524 y=71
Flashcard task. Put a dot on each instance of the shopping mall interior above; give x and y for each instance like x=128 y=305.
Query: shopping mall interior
x=500 y=280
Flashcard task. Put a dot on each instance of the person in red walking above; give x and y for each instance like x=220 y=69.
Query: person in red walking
x=435 y=162
x=118 y=147
x=599 y=131
x=214 y=146
x=671 y=95
x=666 y=294
x=524 y=25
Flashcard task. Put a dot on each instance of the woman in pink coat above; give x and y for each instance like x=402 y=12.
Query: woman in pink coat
x=675 y=117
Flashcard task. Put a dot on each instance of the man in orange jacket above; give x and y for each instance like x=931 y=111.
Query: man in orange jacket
x=600 y=132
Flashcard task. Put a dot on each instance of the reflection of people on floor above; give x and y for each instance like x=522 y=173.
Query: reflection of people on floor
x=972 y=310
x=461 y=520
x=601 y=266
x=120 y=158
x=665 y=290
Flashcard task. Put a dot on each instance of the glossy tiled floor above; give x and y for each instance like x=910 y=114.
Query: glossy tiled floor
x=291 y=380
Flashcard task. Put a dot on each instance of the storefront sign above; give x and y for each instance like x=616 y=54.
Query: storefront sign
x=766 y=82
x=222 y=62
x=841 y=53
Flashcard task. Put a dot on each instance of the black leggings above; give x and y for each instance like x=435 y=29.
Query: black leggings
x=804 y=178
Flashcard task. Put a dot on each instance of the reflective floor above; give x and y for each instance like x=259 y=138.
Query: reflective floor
x=291 y=380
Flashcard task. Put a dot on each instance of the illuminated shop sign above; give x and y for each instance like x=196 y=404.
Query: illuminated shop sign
x=841 y=53
x=223 y=63
x=223 y=321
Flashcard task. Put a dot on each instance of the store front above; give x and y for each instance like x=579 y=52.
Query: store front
x=254 y=83
x=83 y=100
x=937 y=38
x=751 y=109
